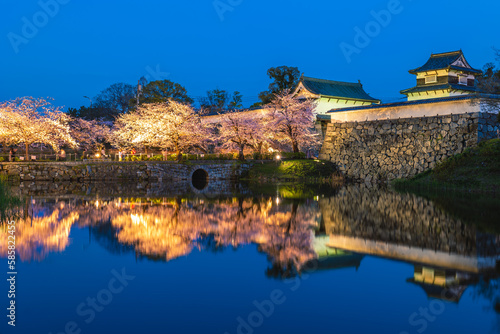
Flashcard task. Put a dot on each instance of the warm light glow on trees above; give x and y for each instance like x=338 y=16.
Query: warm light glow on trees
x=288 y=122
x=240 y=131
x=291 y=121
x=27 y=120
x=171 y=126
x=89 y=134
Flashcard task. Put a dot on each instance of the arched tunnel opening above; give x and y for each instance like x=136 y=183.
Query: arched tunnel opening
x=200 y=179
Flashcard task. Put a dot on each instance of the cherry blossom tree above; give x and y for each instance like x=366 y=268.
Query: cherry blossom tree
x=89 y=134
x=172 y=125
x=239 y=131
x=291 y=121
x=261 y=138
x=27 y=121
x=126 y=129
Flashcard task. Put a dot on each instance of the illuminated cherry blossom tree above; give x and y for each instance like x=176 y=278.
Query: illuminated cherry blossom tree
x=172 y=126
x=291 y=121
x=89 y=134
x=239 y=131
x=27 y=120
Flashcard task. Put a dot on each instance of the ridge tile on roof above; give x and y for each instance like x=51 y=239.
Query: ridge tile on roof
x=337 y=89
x=445 y=60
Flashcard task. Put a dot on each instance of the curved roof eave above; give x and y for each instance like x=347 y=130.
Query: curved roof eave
x=349 y=98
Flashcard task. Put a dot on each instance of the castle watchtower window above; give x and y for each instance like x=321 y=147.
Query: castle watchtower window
x=431 y=79
x=462 y=79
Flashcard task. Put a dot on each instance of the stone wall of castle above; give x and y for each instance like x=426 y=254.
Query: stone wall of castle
x=401 y=148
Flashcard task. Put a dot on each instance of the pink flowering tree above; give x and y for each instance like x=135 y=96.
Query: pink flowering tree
x=89 y=134
x=291 y=121
x=171 y=126
x=27 y=121
x=238 y=130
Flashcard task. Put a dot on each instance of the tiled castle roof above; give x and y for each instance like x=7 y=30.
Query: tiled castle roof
x=446 y=60
x=337 y=89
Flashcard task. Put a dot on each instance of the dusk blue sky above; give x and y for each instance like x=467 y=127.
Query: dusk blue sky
x=88 y=45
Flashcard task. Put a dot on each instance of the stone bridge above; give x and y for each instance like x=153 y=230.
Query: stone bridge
x=199 y=173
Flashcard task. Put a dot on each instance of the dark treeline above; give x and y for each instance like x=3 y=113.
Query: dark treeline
x=119 y=98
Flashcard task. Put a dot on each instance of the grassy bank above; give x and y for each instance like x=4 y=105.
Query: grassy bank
x=477 y=169
x=292 y=170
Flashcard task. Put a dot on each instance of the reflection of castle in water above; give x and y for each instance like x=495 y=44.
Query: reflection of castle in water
x=328 y=258
x=447 y=253
x=441 y=283
x=331 y=233
x=169 y=228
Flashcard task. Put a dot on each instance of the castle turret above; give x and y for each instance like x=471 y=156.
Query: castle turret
x=444 y=74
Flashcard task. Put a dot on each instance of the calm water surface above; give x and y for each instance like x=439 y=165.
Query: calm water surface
x=150 y=259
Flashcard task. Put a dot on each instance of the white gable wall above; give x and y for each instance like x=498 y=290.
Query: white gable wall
x=323 y=104
x=418 y=110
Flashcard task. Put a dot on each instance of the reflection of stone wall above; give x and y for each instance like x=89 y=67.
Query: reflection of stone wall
x=127 y=189
x=105 y=171
x=68 y=189
x=404 y=219
x=398 y=148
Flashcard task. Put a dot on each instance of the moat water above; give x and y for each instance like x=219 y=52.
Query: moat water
x=264 y=259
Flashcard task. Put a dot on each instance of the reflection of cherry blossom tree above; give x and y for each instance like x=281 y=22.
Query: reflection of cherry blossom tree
x=38 y=234
x=176 y=227
x=28 y=121
x=290 y=242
